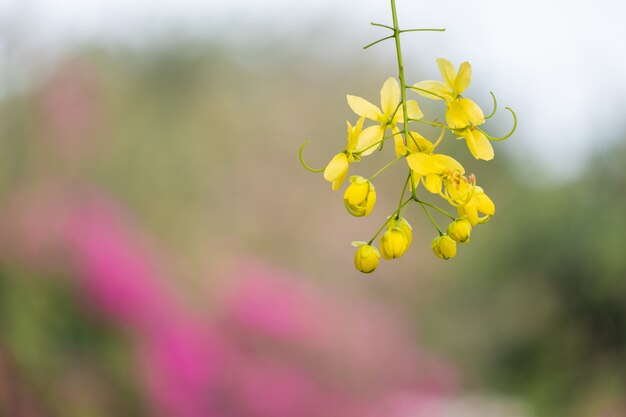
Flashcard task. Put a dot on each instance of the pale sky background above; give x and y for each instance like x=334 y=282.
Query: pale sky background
x=559 y=63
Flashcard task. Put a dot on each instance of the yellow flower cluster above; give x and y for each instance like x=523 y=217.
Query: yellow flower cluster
x=440 y=174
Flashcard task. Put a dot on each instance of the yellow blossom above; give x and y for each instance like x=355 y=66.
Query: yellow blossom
x=388 y=115
x=393 y=243
x=360 y=196
x=460 y=229
x=444 y=247
x=366 y=258
x=478 y=203
x=404 y=225
x=460 y=111
x=477 y=143
x=337 y=169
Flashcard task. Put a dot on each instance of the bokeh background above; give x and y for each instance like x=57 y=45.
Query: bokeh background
x=163 y=253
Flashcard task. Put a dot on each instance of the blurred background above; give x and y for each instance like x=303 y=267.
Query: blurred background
x=163 y=253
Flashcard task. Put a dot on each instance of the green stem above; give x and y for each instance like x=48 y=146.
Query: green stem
x=432 y=220
x=385 y=167
x=435 y=207
x=395 y=213
x=396 y=35
x=402 y=195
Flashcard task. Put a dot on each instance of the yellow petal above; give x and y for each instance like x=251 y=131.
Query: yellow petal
x=353 y=134
x=401 y=148
x=455 y=115
x=449 y=163
x=389 y=96
x=483 y=203
x=472 y=111
x=433 y=183
x=363 y=107
x=418 y=143
x=368 y=138
x=470 y=212
x=412 y=109
x=463 y=78
x=447 y=71
x=434 y=90
x=479 y=145
x=336 y=168
x=424 y=164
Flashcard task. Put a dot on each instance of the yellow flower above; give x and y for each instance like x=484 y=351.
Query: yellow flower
x=393 y=243
x=366 y=258
x=388 y=115
x=406 y=228
x=431 y=168
x=477 y=142
x=460 y=229
x=337 y=169
x=461 y=111
x=444 y=247
x=478 y=203
x=359 y=197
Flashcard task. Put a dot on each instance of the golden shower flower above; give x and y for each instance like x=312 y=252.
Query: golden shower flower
x=444 y=247
x=366 y=258
x=460 y=111
x=360 y=196
x=388 y=115
x=337 y=169
x=402 y=224
x=477 y=142
x=429 y=167
x=478 y=203
x=393 y=243
x=460 y=229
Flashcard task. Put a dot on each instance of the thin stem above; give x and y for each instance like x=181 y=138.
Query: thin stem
x=381 y=25
x=377 y=143
x=432 y=220
x=402 y=195
x=423 y=30
x=378 y=41
x=396 y=35
x=385 y=167
x=304 y=163
x=508 y=135
x=389 y=219
x=436 y=208
x=495 y=105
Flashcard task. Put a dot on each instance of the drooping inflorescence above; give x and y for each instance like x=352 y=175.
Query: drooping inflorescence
x=437 y=173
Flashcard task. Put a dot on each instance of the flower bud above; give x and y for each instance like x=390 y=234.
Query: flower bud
x=366 y=258
x=337 y=170
x=444 y=247
x=359 y=197
x=404 y=226
x=393 y=243
x=460 y=230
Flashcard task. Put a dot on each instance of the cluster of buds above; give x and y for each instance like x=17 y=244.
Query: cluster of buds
x=439 y=174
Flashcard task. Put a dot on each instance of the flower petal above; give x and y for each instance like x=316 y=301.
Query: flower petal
x=449 y=163
x=368 y=138
x=418 y=143
x=433 y=183
x=424 y=164
x=389 y=96
x=472 y=111
x=456 y=117
x=401 y=148
x=434 y=90
x=412 y=109
x=447 y=71
x=336 y=168
x=363 y=107
x=479 y=145
x=463 y=78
